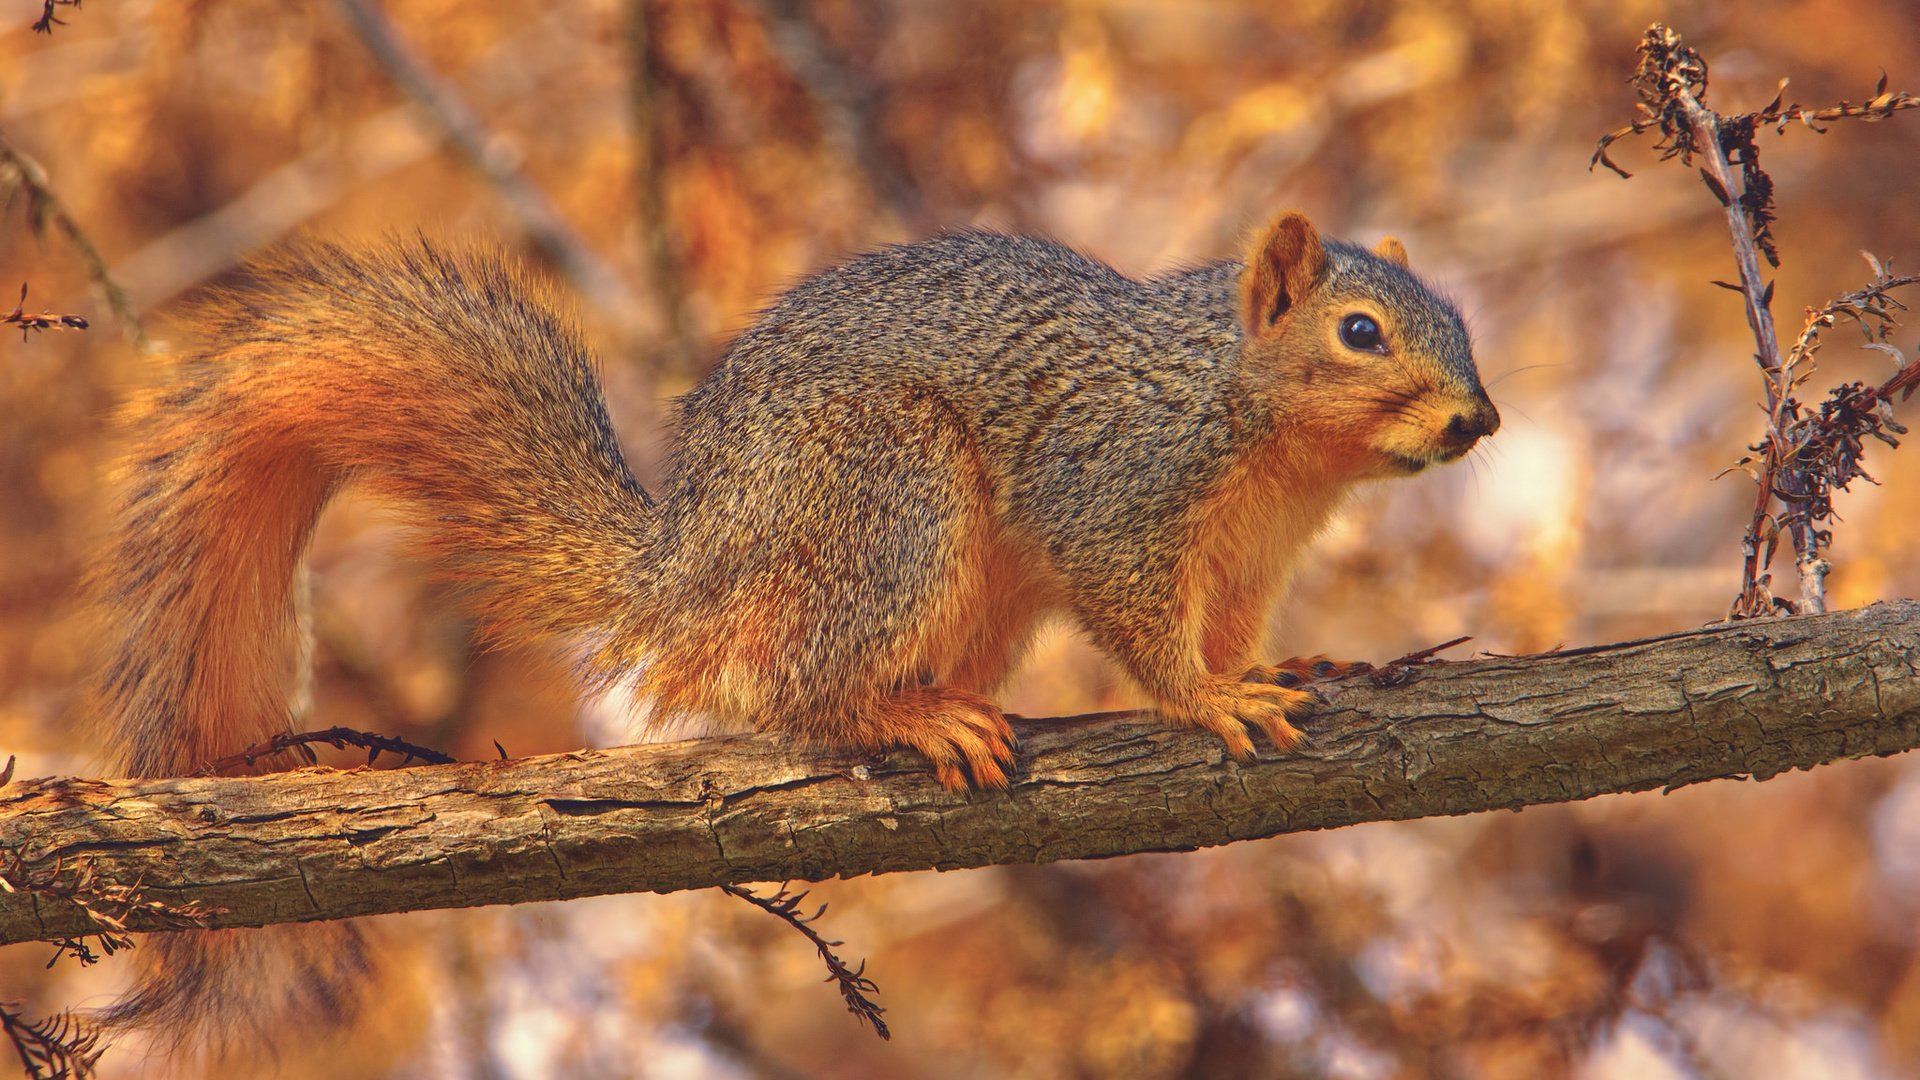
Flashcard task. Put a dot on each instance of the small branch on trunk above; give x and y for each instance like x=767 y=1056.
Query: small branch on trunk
x=41 y=320
x=855 y=987
x=20 y=172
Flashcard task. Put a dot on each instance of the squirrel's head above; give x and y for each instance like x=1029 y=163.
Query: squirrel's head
x=1349 y=347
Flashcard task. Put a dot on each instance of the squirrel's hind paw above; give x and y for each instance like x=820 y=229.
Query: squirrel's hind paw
x=962 y=734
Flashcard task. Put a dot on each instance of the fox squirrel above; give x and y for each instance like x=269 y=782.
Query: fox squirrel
x=903 y=466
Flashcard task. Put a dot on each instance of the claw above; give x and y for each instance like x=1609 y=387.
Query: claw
x=1298 y=670
x=1229 y=708
x=961 y=734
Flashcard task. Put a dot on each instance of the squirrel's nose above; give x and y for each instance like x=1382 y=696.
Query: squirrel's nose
x=1467 y=428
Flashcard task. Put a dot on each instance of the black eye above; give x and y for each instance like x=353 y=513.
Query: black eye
x=1361 y=332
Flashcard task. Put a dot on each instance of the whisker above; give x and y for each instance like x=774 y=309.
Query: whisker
x=1505 y=405
x=1511 y=372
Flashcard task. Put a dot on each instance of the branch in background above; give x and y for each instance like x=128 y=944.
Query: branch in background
x=849 y=106
x=544 y=224
x=1733 y=699
x=22 y=173
x=649 y=102
x=1801 y=458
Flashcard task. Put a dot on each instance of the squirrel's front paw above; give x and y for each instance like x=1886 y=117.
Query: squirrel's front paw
x=1296 y=670
x=1229 y=707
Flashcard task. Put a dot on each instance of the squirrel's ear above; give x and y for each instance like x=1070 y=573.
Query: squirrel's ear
x=1391 y=249
x=1283 y=266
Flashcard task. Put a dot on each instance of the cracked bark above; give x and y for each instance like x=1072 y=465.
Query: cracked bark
x=1746 y=699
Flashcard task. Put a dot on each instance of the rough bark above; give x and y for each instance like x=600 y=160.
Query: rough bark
x=1745 y=699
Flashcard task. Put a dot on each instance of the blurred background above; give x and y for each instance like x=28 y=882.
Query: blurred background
x=674 y=163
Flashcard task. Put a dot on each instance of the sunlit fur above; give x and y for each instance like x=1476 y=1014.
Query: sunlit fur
x=890 y=480
x=1388 y=414
x=912 y=459
x=444 y=382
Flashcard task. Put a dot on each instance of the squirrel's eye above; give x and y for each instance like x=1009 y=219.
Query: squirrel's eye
x=1361 y=332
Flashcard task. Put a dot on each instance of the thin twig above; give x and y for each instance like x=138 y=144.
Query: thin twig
x=1423 y=655
x=301 y=743
x=57 y=1048
x=45 y=320
x=17 y=170
x=47 y=21
x=1758 y=298
x=854 y=984
x=1881 y=105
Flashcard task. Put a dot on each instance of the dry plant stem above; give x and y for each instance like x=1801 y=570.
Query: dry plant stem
x=46 y=206
x=280 y=200
x=1753 y=698
x=1746 y=255
x=1758 y=296
x=1803 y=458
x=543 y=222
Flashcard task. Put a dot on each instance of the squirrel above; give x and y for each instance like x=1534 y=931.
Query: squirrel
x=903 y=466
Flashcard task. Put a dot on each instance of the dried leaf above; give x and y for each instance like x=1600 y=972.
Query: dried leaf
x=1779 y=95
x=1719 y=190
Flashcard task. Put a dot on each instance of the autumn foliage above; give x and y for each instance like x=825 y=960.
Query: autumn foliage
x=696 y=155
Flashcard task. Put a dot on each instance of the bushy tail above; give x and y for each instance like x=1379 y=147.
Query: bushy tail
x=443 y=381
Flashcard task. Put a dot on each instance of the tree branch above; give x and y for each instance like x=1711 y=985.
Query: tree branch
x=1753 y=698
x=543 y=222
